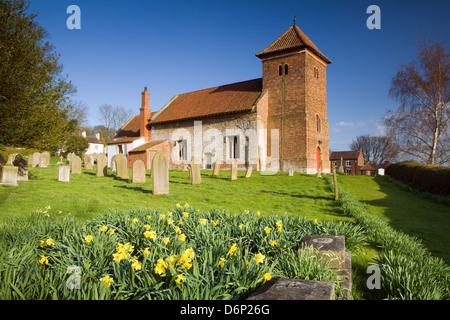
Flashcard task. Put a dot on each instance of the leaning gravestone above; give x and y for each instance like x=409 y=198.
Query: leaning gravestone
x=9 y=176
x=22 y=165
x=64 y=173
x=217 y=165
x=44 y=159
x=35 y=162
x=234 y=170
x=294 y=289
x=2 y=164
x=196 y=177
x=138 y=172
x=102 y=165
x=248 y=174
x=75 y=163
x=121 y=166
x=88 y=162
x=160 y=170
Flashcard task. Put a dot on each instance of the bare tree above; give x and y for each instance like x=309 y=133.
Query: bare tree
x=375 y=149
x=420 y=126
x=78 y=111
x=112 y=119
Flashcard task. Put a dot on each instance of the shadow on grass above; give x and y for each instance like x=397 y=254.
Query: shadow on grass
x=135 y=188
x=302 y=196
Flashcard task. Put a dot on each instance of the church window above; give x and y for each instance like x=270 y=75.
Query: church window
x=182 y=150
x=286 y=69
x=280 y=70
x=318 y=124
x=233 y=147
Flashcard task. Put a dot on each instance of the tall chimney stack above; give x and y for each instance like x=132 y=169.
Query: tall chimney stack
x=145 y=115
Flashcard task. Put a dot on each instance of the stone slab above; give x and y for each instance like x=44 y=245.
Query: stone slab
x=9 y=176
x=294 y=289
x=330 y=248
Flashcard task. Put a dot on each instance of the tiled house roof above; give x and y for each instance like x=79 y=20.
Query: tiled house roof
x=130 y=129
x=291 y=39
x=226 y=99
x=347 y=155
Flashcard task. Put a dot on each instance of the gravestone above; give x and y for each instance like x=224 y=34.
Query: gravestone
x=9 y=176
x=44 y=159
x=138 y=172
x=60 y=162
x=217 y=166
x=113 y=163
x=160 y=170
x=341 y=167
x=189 y=167
x=22 y=165
x=102 y=165
x=75 y=164
x=248 y=174
x=319 y=173
x=11 y=158
x=64 y=173
x=121 y=166
x=291 y=172
x=94 y=158
x=196 y=177
x=35 y=162
x=88 y=162
x=294 y=289
x=69 y=157
x=234 y=170
x=2 y=164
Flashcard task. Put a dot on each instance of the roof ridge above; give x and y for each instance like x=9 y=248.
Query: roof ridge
x=223 y=85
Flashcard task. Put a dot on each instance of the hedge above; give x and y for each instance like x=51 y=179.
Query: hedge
x=429 y=178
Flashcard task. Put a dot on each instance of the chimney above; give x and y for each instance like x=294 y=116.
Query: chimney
x=83 y=133
x=145 y=115
x=97 y=135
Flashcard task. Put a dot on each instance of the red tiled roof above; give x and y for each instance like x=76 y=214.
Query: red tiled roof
x=345 y=155
x=123 y=140
x=231 y=98
x=131 y=128
x=367 y=166
x=292 y=39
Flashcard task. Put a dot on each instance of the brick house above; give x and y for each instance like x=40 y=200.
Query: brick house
x=276 y=122
x=351 y=161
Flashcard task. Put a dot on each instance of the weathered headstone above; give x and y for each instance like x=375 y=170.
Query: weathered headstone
x=217 y=165
x=341 y=166
x=60 y=162
x=9 y=176
x=22 y=165
x=121 y=166
x=113 y=163
x=64 y=173
x=329 y=248
x=160 y=170
x=234 y=170
x=88 y=162
x=248 y=174
x=11 y=158
x=35 y=162
x=102 y=165
x=196 y=177
x=291 y=172
x=44 y=159
x=69 y=157
x=138 y=172
x=294 y=289
x=75 y=164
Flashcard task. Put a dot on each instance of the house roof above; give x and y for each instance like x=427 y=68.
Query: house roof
x=123 y=140
x=146 y=146
x=93 y=140
x=226 y=99
x=367 y=166
x=131 y=128
x=291 y=39
x=345 y=155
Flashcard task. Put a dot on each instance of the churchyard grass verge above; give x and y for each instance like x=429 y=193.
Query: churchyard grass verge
x=178 y=254
x=408 y=270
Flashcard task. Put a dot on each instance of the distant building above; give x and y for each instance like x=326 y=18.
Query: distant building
x=95 y=143
x=368 y=170
x=351 y=161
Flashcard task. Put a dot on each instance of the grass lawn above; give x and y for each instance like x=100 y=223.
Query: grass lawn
x=87 y=195
x=405 y=211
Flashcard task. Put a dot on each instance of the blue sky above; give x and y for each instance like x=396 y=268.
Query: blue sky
x=180 y=46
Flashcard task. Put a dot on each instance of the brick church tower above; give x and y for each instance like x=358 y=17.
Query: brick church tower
x=294 y=74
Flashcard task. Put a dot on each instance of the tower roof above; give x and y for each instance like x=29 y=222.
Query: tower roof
x=292 y=39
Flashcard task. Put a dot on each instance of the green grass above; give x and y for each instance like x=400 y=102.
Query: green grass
x=87 y=195
x=404 y=211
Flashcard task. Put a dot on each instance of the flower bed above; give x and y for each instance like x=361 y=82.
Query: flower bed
x=178 y=254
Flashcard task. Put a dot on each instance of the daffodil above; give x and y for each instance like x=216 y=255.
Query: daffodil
x=222 y=262
x=185 y=214
x=267 y=229
x=259 y=258
x=88 y=238
x=179 y=278
x=177 y=230
x=106 y=281
x=273 y=243
x=147 y=227
x=135 y=220
x=169 y=213
x=182 y=237
x=258 y=213
x=203 y=221
x=150 y=234
x=232 y=249
x=267 y=276
x=178 y=205
x=315 y=221
x=170 y=221
x=136 y=265
x=43 y=260
x=149 y=217
x=104 y=228
x=172 y=260
x=166 y=240
x=146 y=251
x=111 y=231
x=186 y=205
x=162 y=216
x=241 y=226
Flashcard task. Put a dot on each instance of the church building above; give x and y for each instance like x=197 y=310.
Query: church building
x=274 y=123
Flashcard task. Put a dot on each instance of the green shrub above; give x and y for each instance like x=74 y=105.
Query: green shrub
x=428 y=178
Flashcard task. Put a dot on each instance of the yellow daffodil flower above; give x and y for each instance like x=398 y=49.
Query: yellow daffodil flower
x=267 y=229
x=259 y=258
x=136 y=265
x=43 y=260
x=182 y=237
x=267 y=276
x=106 y=281
x=179 y=278
x=89 y=238
x=222 y=262
x=146 y=251
x=185 y=214
x=166 y=240
x=273 y=243
x=232 y=249
x=203 y=221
